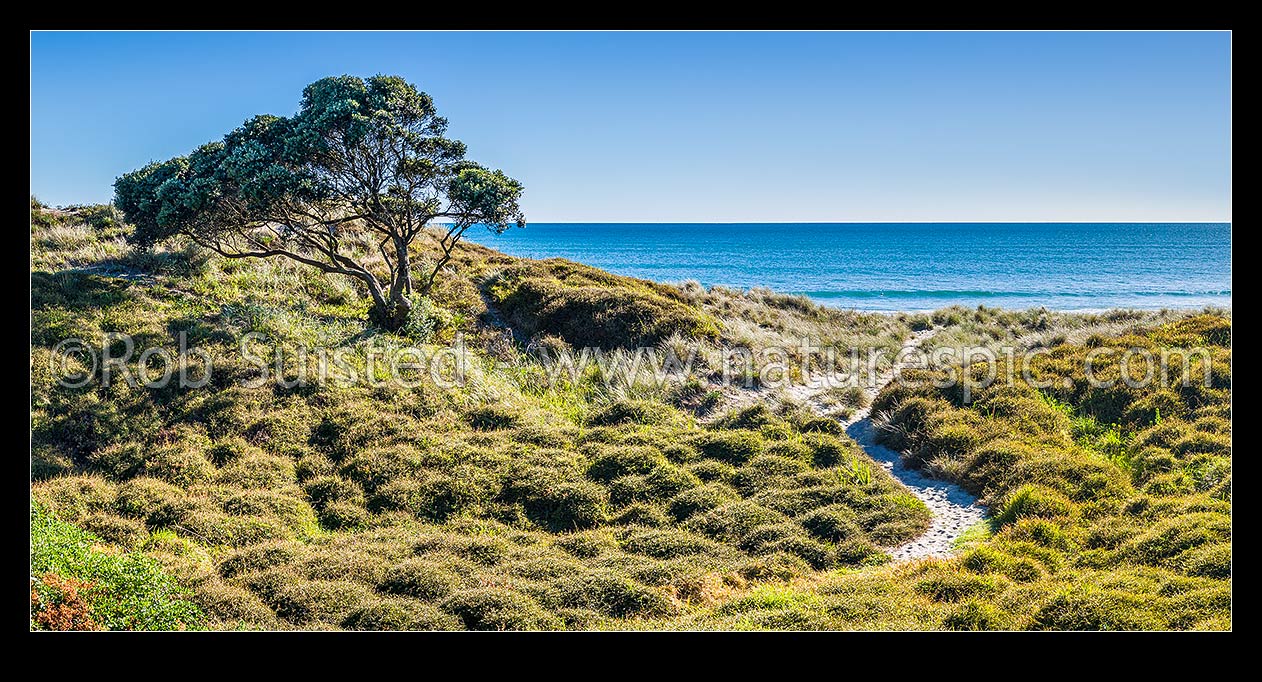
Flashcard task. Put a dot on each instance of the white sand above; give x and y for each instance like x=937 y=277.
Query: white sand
x=954 y=509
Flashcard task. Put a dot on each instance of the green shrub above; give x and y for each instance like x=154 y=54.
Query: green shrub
x=322 y=601
x=420 y=579
x=1036 y=501
x=611 y=463
x=326 y=490
x=894 y=518
x=712 y=471
x=233 y=606
x=374 y=468
x=150 y=500
x=952 y=587
x=313 y=465
x=179 y=464
x=543 y=568
x=757 y=540
x=659 y=485
x=976 y=615
x=556 y=502
x=828 y=450
x=640 y=514
x=835 y=523
x=822 y=425
x=352 y=564
x=116 y=529
x=590 y=308
x=257 y=471
x=1041 y=532
x=499 y=609
x=754 y=417
x=733 y=447
x=730 y=522
x=1207 y=561
x=127 y=591
x=774 y=567
x=400 y=614
x=608 y=593
x=766 y=471
x=343 y=516
x=439 y=497
x=259 y=557
x=486 y=550
x=1171 y=537
x=284 y=506
x=640 y=412
x=587 y=544
x=815 y=553
x=1086 y=607
x=858 y=551
x=668 y=543
x=492 y=418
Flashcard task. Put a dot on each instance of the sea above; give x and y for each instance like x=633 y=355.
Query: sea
x=911 y=266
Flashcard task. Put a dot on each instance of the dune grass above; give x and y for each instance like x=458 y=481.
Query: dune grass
x=514 y=503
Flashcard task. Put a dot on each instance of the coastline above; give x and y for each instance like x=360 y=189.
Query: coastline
x=911 y=267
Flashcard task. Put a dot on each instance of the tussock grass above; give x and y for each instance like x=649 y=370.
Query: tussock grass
x=513 y=503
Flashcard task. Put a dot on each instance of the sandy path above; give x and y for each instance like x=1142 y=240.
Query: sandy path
x=954 y=509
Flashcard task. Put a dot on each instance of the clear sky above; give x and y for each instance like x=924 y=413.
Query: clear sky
x=704 y=127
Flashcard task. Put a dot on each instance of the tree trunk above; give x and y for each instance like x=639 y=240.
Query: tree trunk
x=392 y=314
x=390 y=309
x=404 y=270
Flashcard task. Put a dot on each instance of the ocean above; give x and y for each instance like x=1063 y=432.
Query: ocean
x=911 y=266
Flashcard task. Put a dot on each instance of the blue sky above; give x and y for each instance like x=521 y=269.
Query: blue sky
x=705 y=127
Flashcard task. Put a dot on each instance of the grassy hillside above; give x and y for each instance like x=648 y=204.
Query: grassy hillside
x=511 y=502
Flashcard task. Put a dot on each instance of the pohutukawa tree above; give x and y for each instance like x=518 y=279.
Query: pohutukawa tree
x=362 y=170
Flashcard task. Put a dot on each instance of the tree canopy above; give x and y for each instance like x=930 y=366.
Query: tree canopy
x=346 y=185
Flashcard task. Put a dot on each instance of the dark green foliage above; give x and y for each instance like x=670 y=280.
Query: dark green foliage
x=754 y=417
x=767 y=471
x=828 y=451
x=357 y=150
x=818 y=555
x=327 y=490
x=712 y=471
x=343 y=516
x=127 y=591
